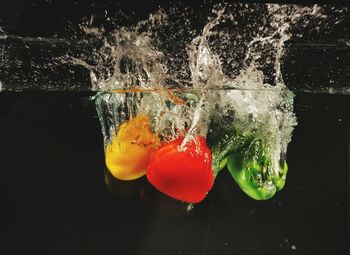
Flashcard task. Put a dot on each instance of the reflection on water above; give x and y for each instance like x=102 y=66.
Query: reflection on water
x=140 y=189
x=163 y=203
x=122 y=188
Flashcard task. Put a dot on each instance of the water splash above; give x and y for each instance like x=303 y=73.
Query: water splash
x=227 y=74
x=240 y=47
x=2 y=34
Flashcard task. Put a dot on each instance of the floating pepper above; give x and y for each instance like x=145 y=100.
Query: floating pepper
x=129 y=152
x=182 y=173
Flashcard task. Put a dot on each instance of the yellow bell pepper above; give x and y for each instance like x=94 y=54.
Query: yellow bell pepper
x=129 y=152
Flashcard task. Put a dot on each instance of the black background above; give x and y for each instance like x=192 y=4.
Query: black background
x=48 y=18
x=54 y=197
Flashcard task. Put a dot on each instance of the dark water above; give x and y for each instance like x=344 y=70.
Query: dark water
x=54 y=199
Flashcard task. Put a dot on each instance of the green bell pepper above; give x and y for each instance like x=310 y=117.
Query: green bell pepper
x=252 y=169
x=248 y=159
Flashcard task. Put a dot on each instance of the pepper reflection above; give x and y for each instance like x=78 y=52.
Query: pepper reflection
x=161 y=202
x=122 y=188
x=146 y=193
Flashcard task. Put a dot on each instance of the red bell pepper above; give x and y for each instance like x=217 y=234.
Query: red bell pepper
x=182 y=173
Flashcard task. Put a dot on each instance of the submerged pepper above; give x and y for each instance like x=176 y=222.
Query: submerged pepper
x=252 y=168
x=129 y=152
x=182 y=173
x=248 y=158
